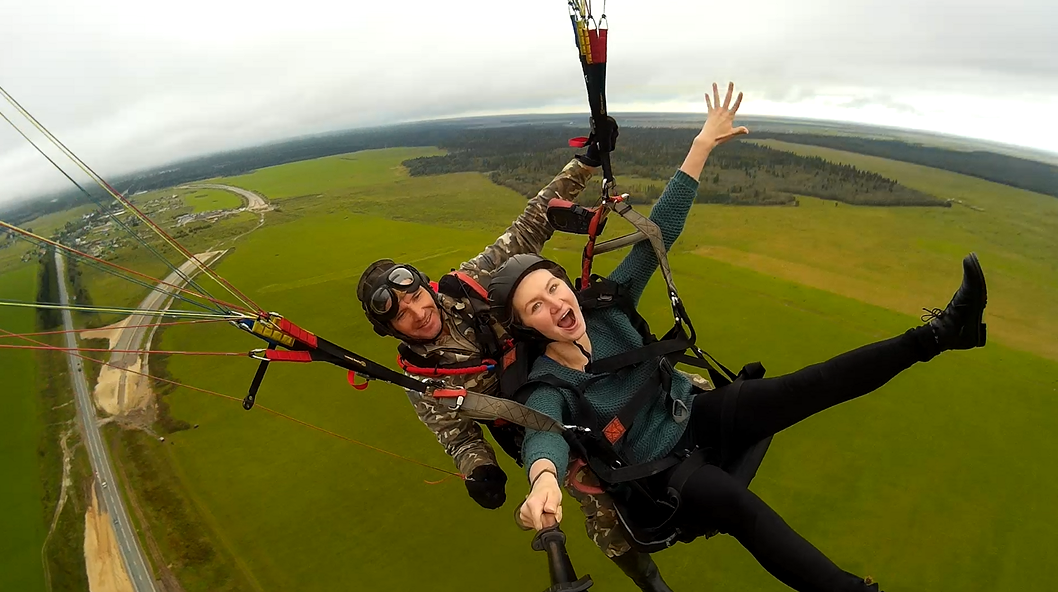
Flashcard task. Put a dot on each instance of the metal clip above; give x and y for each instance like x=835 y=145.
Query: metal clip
x=680 y=413
x=258 y=354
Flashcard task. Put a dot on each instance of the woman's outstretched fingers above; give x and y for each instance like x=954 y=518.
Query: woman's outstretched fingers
x=716 y=97
x=708 y=103
x=730 y=91
x=738 y=101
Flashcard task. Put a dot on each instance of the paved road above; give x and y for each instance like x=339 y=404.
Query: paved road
x=135 y=561
x=133 y=339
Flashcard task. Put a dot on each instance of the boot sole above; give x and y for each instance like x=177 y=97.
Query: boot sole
x=982 y=334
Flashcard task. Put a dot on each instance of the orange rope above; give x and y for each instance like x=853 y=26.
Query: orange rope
x=269 y=410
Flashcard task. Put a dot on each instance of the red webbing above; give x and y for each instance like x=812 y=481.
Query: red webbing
x=280 y=355
x=297 y=333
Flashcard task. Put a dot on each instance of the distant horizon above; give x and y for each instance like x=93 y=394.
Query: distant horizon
x=691 y=119
x=983 y=143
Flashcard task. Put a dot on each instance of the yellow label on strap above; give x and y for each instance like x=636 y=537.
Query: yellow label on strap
x=269 y=332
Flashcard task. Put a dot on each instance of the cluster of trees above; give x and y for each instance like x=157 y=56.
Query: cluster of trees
x=525 y=158
x=517 y=153
x=1000 y=168
x=48 y=293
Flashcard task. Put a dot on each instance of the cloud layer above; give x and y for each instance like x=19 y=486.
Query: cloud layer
x=132 y=84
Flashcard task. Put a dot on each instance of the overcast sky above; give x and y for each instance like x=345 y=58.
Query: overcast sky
x=130 y=84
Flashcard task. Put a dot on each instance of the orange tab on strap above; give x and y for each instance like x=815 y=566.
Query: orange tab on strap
x=614 y=430
x=448 y=393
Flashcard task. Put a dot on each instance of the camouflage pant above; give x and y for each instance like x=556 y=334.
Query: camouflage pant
x=600 y=519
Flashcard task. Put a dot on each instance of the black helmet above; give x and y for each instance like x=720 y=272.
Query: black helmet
x=506 y=279
x=377 y=289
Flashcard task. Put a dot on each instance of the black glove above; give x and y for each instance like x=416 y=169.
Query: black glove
x=591 y=157
x=486 y=486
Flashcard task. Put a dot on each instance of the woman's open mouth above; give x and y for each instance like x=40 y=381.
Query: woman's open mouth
x=568 y=320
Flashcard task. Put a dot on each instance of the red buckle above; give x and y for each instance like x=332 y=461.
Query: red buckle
x=448 y=393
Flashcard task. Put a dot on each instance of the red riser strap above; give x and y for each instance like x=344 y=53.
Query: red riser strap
x=297 y=333
x=279 y=355
x=597 y=40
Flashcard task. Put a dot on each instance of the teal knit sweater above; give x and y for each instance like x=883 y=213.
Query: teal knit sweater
x=654 y=432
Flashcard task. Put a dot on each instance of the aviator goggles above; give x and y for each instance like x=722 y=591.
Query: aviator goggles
x=384 y=301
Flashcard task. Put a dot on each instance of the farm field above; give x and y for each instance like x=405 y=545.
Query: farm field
x=901 y=484
x=937 y=481
x=205 y=200
x=20 y=432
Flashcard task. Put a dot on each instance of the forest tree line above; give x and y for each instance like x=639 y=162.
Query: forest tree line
x=999 y=168
x=639 y=149
x=525 y=158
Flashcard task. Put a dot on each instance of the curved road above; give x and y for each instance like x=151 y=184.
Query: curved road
x=158 y=299
x=255 y=201
x=135 y=561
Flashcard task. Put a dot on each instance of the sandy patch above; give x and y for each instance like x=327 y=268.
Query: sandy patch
x=110 y=332
x=106 y=570
x=119 y=392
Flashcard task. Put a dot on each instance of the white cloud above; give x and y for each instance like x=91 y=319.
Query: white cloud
x=134 y=84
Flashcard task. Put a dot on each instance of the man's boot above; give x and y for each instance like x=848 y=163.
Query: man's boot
x=642 y=570
x=960 y=326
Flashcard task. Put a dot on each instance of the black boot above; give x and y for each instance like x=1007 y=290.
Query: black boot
x=959 y=325
x=642 y=570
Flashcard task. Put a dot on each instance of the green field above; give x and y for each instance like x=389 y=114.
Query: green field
x=937 y=481
x=20 y=430
x=934 y=482
x=206 y=200
x=333 y=175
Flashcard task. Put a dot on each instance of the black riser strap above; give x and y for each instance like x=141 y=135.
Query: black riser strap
x=328 y=352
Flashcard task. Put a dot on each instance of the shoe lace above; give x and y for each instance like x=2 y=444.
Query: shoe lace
x=931 y=313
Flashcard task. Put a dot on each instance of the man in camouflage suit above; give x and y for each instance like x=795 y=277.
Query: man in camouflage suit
x=438 y=327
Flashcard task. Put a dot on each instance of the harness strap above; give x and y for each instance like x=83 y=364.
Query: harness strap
x=619 y=425
x=720 y=377
x=634 y=472
x=651 y=351
x=339 y=356
x=488 y=408
x=251 y=394
x=457 y=284
x=678 y=479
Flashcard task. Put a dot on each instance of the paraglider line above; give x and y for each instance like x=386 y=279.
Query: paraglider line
x=116 y=219
x=128 y=204
x=122 y=351
x=63 y=332
x=6 y=333
x=83 y=255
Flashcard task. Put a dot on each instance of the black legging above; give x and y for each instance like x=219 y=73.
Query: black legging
x=712 y=499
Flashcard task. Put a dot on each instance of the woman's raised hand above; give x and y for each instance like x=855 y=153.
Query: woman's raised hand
x=718 y=127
